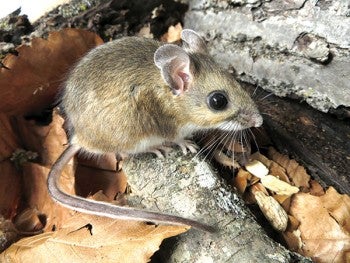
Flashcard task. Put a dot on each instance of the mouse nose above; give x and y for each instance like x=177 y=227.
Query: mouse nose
x=250 y=119
x=257 y=120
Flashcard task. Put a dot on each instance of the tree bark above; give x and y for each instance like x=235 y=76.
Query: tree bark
x=292 y=48
x=188 y=186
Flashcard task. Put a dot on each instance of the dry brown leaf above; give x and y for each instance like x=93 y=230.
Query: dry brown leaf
x=35 y=74
x=338 y=207
x=48 y=141
x=9 y=142
x=29 y=221
x=278 y=171
x=90 y=180
x=37 y=196
x=257 y=168
x=324 y=225
x=316 y=188
x=272 y=210
x=258 y=187
x=241 y=180
x=284 y=201
x=249 y=196
x=293 y=223
x=293 y=240
x=296 y=172
x=278 y=186
x=106 y=161
x=173 y=34
x=107 y=241
x=145 y=32
x=99 y=173
x=253 y=180
x=262 y=158
x=10 y=178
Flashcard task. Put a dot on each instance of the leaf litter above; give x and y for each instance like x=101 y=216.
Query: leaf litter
x=28 y=209
x=314 y=222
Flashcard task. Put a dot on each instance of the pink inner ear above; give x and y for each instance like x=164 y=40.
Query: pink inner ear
x=184 y=76
x=182 y=80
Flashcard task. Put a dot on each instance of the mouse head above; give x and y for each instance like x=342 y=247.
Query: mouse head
x=208 y=95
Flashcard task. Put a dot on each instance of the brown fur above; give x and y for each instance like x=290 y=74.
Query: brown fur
x=120 y=98
x=116 y=97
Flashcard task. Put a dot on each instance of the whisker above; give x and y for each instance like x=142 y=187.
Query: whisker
x=255 y=90
x=255 y=142
x=266 y=96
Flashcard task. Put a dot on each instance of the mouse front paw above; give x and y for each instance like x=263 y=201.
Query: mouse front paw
x=188 y=145
x=160 y=151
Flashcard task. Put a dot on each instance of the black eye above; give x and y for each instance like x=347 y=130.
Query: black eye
x=217 y=100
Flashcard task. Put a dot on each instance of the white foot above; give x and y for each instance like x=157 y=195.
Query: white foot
x=161 y=151
x=188 y=145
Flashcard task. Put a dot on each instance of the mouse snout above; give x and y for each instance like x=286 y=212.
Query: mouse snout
x=257 y=120
x=249 y=119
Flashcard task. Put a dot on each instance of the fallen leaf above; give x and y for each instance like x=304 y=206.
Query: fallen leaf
x=173 y=34
x=258 y=187
x=293 y=240
x=9 y=142
x=249 y=196
x=324 y=225
x=241 y=180
x=10 y=178
x=272 y=210
x=261 y=158
x=257 y=168
x=31 y=82
x=338 y=207
x=279 y=172
x=316 y=188
x=48 y=141
x=296 y=172
x=283 y=200
x=278 y=186
x=293 y=223
x=29 y=221
x=145 y=32
x=88 y=238
x=37 y=196
x=90 y=180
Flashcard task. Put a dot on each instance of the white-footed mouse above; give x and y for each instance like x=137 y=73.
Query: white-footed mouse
x=134 y=95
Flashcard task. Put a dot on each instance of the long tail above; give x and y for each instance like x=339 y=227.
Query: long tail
x=105 y=209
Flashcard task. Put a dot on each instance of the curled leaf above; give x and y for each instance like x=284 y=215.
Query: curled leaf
x=32 y=79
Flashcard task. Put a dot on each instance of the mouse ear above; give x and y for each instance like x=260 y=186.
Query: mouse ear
x=174 y=64
x=193 y=42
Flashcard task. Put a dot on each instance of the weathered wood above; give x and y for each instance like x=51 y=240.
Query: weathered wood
x=319 y=141
x=298 y=48
x=189 y=187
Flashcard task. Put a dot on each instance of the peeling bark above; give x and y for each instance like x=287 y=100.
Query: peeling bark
x=292 y=48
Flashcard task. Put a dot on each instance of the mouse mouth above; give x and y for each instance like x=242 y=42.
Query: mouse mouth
x=243 y=121
x=231 y=126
